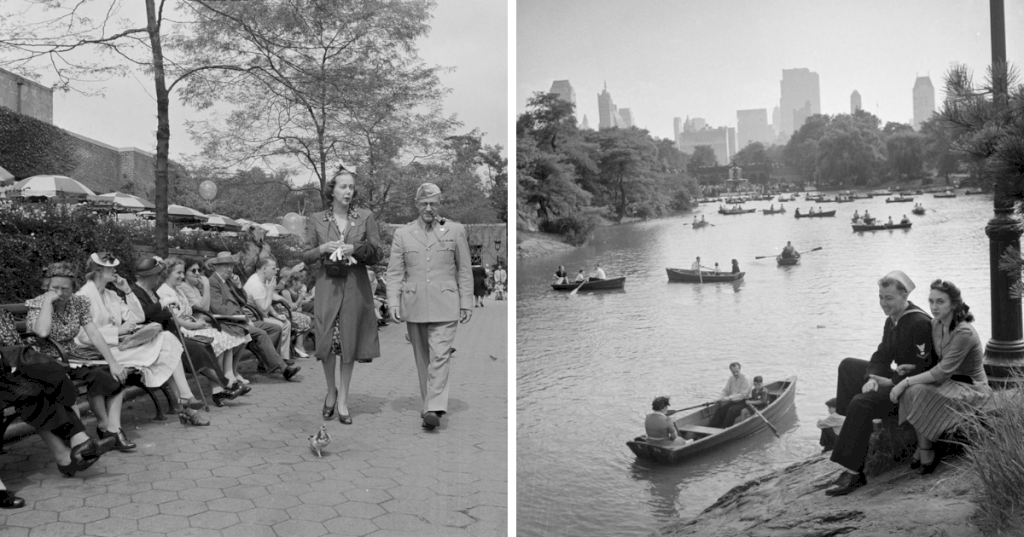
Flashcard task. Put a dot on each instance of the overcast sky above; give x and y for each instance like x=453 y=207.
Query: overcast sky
x=470 y=35
x=710 y=58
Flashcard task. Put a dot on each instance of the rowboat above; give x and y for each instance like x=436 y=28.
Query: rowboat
x=787 y=261
x=694 y=426
x=899 y=199
x=878 y=227
x=592 y=285
x=736 y=211
x=946 y=194
x=771 y=211
x=974 y=192
x=918 y=210
x=815 y=215
x=702 y=223
x=706 y=276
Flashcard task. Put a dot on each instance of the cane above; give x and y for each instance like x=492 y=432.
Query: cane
x=195 y=373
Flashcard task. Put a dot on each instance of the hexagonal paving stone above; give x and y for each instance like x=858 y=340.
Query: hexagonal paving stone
x=259 y=480
x=276 y=501
x=300 y=527
x=216 y=520
x=155 y=497
x=194 y=532
x=359 y=510
x=367 y=495
x=134 y=511
x=350 y=526
x=31 y=519
x=57 y=529
x=230 y=505
x=249 y=530
x=183 y=507
x=59 y=503
x=163 y=523
x=400 y=522
x=107 y=501
x=260 y=515
x=315 y=513
x=111 y=527
x=83 y=515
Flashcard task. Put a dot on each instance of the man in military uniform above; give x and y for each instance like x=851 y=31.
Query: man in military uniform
x=430 y=286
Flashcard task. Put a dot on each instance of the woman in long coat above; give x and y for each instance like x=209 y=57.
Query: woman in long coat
x=340 y=243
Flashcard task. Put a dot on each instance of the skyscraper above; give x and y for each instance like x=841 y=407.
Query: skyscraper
x=752 y=126
x=564 y=90
x=722 y=141
x=854 y=102
x=924 y=100
x=800 y=92
x=626 y=115
x=677 y=127
x=608 y=113
x=586 y=123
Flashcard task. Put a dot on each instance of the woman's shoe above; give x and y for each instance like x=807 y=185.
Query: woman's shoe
x=69 y=470
x=191 y=417
x=91 y=449
x=300 y=353
x=328 y=412
x=9 y=501
x=345 y=418
x=228 y=394
x=915 y=463
x=190 y=403
x=927 y=468
x=242 y=389
x=121 y=442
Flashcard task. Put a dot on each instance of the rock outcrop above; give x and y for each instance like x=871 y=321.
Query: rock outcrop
x=791 y=502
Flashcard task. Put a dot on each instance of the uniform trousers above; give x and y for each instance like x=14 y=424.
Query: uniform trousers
x=860 y=409
x=432 y=349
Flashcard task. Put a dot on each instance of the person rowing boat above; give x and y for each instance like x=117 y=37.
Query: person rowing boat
x=789 y=252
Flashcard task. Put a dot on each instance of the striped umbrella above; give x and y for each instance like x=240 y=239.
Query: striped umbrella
x=51 y=186
x=178 y=213
x=222 y=222
x=125 y=202
x=275 y=230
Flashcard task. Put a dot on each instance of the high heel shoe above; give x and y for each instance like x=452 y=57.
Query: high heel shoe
x=191 y=417
x=915 y=462
x=229 y=394
x=190 y=403
x=121 y=442
x=242 y=389
x=328 y=412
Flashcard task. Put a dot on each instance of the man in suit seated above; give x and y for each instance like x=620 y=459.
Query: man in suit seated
x=227 y=298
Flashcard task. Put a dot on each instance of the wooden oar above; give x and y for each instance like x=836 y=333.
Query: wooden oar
x=776 y=255
x=760 y=415
x=573 y=292
x=693 y=407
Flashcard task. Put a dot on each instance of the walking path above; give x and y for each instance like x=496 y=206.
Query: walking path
x=252 y=474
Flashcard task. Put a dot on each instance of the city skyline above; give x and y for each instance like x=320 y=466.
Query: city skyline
x=675 y=60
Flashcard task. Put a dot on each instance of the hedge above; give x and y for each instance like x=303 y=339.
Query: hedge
x=31 y=147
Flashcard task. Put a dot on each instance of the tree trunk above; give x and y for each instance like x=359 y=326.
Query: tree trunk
x=163 y=130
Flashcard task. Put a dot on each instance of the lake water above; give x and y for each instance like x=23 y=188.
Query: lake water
x=588 y=366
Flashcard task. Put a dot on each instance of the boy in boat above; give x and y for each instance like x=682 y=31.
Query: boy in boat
x=758 y=399
x=862 y=389
x=580 y=276
x=830 y=427
x=735 y=393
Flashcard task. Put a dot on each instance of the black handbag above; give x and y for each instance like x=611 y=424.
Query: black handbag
x=20 y=356
x=336 y=269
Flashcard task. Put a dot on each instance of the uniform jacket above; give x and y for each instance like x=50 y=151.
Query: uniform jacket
x=907 y=341
x=430 y=275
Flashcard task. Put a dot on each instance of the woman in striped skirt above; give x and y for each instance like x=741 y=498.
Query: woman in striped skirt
x=931 y=400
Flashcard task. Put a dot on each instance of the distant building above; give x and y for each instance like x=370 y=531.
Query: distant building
x=607 y=111
x=752 y=126
x=694 y=125
x=564 y=91
x=924 y=100
x=586 y=123
x=722 y=141
x=677 y=127
x=776 y=119
x=854 y=102
x=800 y=92
x=627 y=118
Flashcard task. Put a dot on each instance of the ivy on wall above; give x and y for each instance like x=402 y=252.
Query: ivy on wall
x=31 y=147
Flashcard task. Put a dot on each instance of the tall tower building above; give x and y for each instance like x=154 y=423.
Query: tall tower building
x=924 y=100
x=800 y=93
x=608 y=113
x=677 y=127
x=776 y=122
x=626 y=115
x=586 y=123
x=752 y=126
x=854 y=102
x=564 y=90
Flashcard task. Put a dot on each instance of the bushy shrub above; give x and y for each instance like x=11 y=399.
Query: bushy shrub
x=31 y=147
x=575 y=228
x=33 y=235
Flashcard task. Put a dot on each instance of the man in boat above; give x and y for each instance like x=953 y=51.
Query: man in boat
x=856 y=216
x=890 y=220
x=735 y=266
x=862 y=390
x=696 y=265
x=598 y=273
x=561 y=276
x=735 y=393
x=701 y=219
x=867 y=217
x=905 y=220
x=694 y=219
x=797 y=211
x=789 y=252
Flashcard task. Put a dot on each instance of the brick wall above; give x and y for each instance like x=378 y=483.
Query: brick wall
x=105 y=168
x=30 y=98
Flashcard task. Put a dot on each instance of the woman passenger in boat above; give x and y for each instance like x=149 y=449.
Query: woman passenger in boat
x=561 y=276
x=905 y=220
x=658 y=425
x=932 y=401
x=735 y=266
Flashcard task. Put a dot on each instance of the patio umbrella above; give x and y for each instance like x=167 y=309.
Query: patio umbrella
x=178 y=213
x=222 y=222
x=5 y=175
x=51 y=186
x=275 y=230
x=126 y=202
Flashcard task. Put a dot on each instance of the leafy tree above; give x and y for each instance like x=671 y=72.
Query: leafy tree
x=753 y=153
x=801 y=151
x=906 y=154
x=547 y=181
x=939 y=154
x=703 y=157
x=330 y=82
x=892 y=127
x=670 y=158
x=549 y=119
x=627 y=159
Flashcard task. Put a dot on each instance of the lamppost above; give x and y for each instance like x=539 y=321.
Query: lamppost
x=1004 y=353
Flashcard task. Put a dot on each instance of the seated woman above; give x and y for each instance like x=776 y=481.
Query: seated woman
x=291 y=295
x=159 y=359
x=660 y=429
x=149 y=274
x=61 y=315
x=931 y=400
x=45 y=398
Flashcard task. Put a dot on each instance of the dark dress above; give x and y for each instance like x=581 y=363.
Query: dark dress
x=343 y=309
x=479 y=281
x=42 y=393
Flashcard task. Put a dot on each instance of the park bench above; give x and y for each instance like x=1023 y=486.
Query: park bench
x=9 y=415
